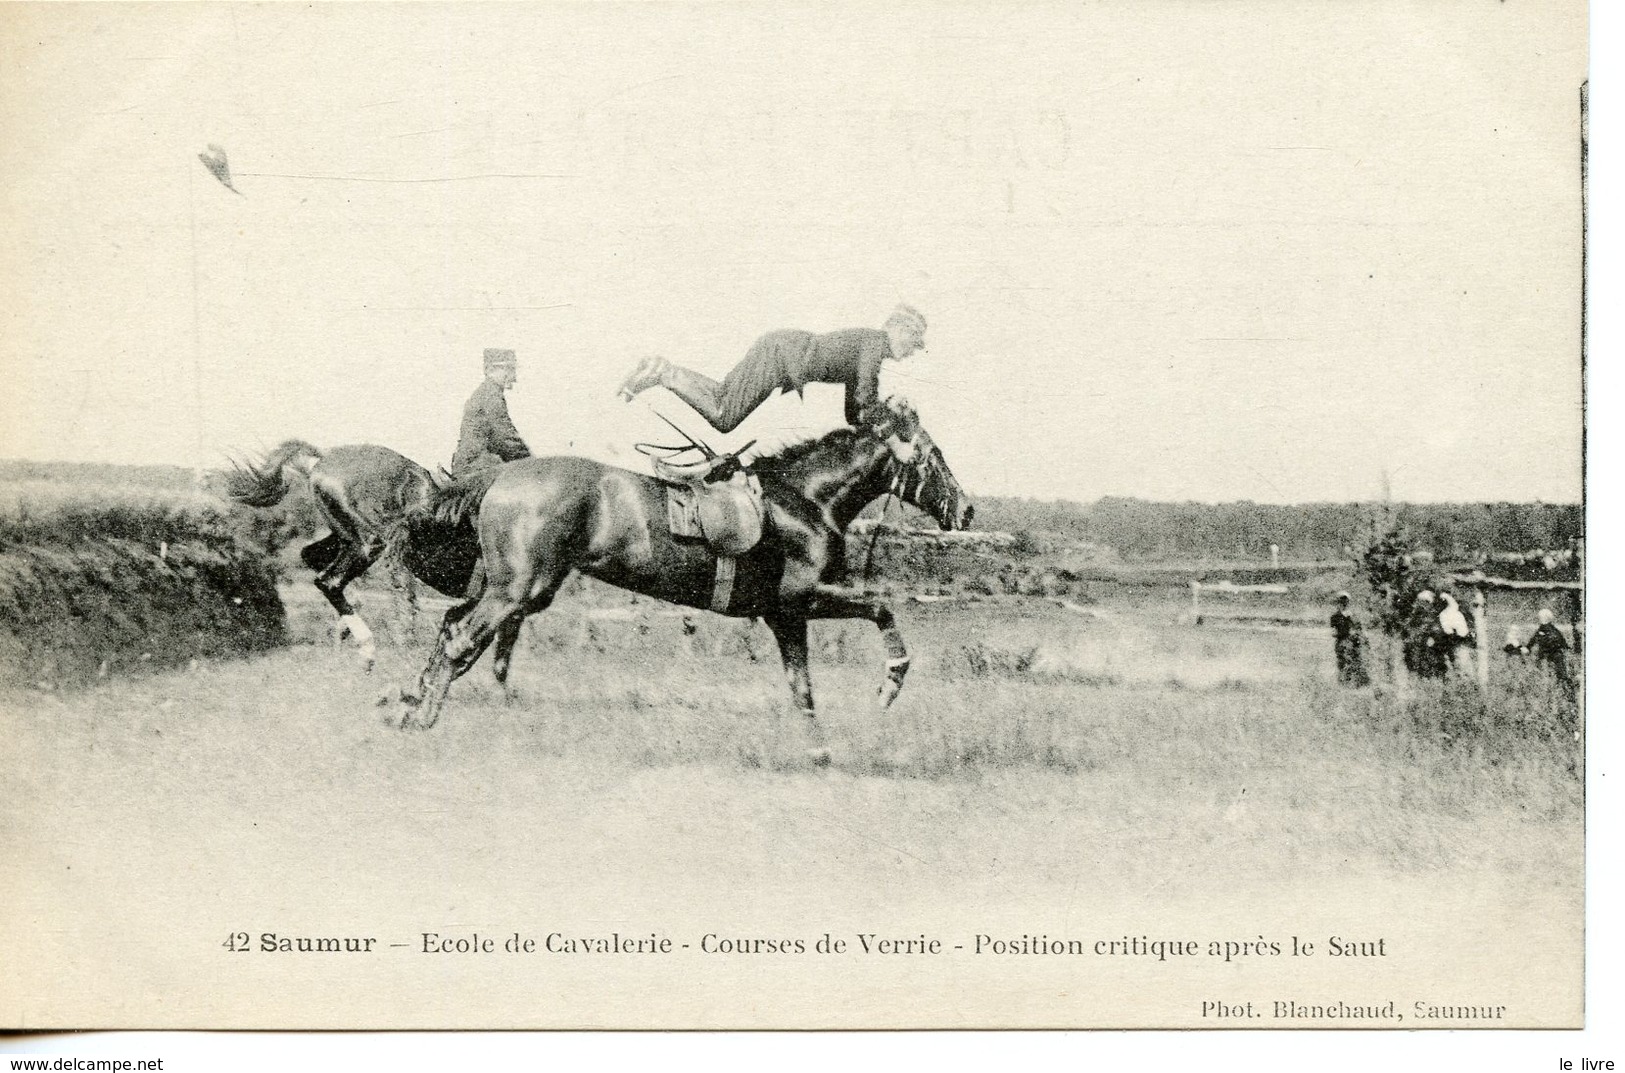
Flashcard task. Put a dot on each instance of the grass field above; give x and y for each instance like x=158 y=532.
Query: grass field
x=1109 y=763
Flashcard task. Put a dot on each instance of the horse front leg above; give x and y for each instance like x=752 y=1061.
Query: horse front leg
x=839 y=601
x=791 y=634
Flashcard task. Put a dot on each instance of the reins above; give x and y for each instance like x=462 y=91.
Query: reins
x=662 y=450
x=893 y=494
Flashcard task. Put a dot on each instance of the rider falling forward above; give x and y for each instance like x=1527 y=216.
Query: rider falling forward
x=789 y=360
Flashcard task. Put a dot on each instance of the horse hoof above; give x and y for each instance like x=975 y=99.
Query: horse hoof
x=403 y=715
x=896 y=671
x=818 y=757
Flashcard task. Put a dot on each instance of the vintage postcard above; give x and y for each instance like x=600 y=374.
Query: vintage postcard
x=801 y=516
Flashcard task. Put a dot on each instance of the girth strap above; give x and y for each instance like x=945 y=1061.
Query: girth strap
x=722 y=590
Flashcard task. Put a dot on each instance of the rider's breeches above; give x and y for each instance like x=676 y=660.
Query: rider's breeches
x=724 y=405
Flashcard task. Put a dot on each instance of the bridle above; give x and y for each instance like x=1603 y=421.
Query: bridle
x=903 y=477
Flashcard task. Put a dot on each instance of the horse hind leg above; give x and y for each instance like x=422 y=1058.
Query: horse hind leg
x=405 y=588
x=348 y=565
x=499 y=611
x=460 y=645
x=508 y=633
x=321 y=554
x=791 y=634
x=412 y=700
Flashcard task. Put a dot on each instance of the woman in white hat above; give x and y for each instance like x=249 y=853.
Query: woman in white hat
x=789 y=360
x=1457 y=634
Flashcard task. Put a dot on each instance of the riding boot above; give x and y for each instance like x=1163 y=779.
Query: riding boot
x=645 y=376
x=700 y=392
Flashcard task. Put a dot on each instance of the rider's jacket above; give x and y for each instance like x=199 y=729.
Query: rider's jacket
x=488 y=435
x=850 y=356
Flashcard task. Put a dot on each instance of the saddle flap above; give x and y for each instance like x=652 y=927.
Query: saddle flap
x=683 y=511
x=728 y=515
x=731 y=515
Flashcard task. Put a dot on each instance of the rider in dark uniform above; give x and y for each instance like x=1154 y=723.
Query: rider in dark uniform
x=787 y=361
x=447 y=556
x=488 y=436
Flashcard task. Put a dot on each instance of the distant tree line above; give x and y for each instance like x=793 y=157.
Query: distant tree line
x=1140 y=529
x=1136 y=529
x=154 y=478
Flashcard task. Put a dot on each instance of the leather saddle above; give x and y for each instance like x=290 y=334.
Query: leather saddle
x=716 y=500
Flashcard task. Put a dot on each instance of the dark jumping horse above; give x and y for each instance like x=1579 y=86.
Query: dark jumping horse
x=365 y=493
x=539 y=518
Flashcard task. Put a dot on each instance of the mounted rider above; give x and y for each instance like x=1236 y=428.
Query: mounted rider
x=789 y=360
x=488 y=435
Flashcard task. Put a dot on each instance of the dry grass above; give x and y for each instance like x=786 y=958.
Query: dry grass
x=644 y=777
x=1228 y=751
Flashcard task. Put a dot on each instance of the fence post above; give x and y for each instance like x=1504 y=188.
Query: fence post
x=1482 y=633
x=1397 y=671
x=1196 y=603
x=1577 y=596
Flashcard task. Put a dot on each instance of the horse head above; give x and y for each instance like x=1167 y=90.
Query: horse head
x=920 y=475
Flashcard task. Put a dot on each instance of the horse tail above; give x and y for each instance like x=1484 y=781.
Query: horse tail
x=265 y=484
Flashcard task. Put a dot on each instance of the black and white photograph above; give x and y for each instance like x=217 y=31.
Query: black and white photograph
x=688 y=516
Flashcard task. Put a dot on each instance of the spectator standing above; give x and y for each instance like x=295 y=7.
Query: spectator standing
x=1550 y=649
x=1348 y=644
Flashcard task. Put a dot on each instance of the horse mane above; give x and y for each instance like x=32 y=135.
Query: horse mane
x=784 y=457
x=456 y=500
x=445 y=514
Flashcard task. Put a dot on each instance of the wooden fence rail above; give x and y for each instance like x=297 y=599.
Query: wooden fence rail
x=1482 y=585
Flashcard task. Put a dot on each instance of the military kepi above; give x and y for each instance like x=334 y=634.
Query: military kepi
x=495 y=358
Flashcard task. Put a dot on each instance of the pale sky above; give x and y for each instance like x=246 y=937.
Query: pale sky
x=1169 y=250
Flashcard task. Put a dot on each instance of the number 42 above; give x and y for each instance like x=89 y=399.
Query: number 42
x=237 y=942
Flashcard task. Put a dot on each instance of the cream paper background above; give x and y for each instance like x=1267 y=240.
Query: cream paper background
x=101 y=333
